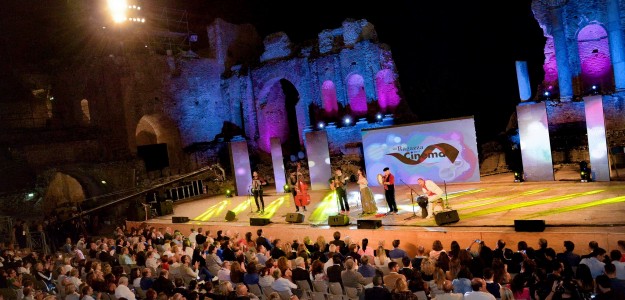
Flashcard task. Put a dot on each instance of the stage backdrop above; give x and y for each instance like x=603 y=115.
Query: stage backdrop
x=443 y=151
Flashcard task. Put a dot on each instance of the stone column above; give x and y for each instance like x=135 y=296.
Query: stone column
x=562 y=55
x=616 y=44
x=523 y=79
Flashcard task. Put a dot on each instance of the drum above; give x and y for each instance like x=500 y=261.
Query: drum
x=422 y=201
x=380 y=179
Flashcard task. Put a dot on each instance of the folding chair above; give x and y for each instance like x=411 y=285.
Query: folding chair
x=335 y=288
x=256 y=290
x=320 y=286
x=305 y=287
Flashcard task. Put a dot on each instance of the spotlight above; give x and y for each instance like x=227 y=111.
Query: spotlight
x=347 y=120
x=378 y=116
x=287 y=188
x=321 y=125
x=584 y=171
x=228 y=194
x=103 y=181
x=594 y=89
x=518 y=176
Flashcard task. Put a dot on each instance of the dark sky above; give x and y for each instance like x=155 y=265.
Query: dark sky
x=454 y=58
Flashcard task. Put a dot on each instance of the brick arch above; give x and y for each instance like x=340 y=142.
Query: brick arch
x=329 y=99
x=356 y=95
x=279 y=114
x=594 y=56
x=388 y=99
x=159 y=129
x=64 y=190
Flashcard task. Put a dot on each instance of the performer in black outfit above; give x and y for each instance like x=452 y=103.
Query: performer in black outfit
x=389 y=191
x=257 y=191
x=338 y=183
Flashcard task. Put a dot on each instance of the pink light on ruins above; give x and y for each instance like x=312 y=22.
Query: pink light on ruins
x=594 y=54
x=328 y=95
x=356 y=94
x=272 y=121
x=387 y=91
x=550 y=66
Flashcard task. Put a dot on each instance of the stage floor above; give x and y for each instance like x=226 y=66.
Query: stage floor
x=572 y=210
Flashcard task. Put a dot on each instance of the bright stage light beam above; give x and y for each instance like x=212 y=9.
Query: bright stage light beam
x=118 y=8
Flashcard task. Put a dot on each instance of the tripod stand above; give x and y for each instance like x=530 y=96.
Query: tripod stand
x=412 y=192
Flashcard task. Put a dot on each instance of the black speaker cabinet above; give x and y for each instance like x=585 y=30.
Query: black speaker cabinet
x=529 y=225
x=230 y=216
x=259 y=221
x=369 y=224
x=175 y=219
x=294 y=218
x=136 y=213
x=165 y=208
x=446 y=217
x=340 y=220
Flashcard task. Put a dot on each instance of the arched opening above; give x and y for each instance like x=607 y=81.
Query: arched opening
x=279 y=115
x=594 y=57
x=86 y=115
x=157 y=129
x=388 y=99
x=63 y=193
x=329 y=100
x=356 y=95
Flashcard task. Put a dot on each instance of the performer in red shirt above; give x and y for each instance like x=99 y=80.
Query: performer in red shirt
x=389 y=191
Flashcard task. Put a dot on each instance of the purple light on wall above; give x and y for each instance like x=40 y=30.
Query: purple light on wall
x=328 y=95
x=356 y=94
x=387 y=91
x=272 y=121
x=594 y=55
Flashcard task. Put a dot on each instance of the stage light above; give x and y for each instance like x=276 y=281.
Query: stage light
x=594 y=90
x=347 y=120
x=518 y=176
x=584 y=171
x=287 y=188
x=30 y=195
x=228 y=194
x=103 y=181
x=378 y=116
x=321 y=125
x=117 y=9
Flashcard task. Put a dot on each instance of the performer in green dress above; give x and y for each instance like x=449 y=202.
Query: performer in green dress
x=366 y=196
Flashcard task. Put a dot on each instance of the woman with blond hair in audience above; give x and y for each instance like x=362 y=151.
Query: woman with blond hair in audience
x=438 y=282
x=401 y=291
x=428 y=266
x=321 y=245
x=288 y=250
x=381 y=260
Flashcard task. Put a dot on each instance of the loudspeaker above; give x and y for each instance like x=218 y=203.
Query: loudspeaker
x=446 y=217
x=529 y=225
x=340 y=220
x=136 y=213
x=230 y=216
x=369 y=224
x=259 y=221
x=165 y=208
x=295 y=218
x=175 y=219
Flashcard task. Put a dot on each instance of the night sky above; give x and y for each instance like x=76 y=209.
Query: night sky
x=454 y=58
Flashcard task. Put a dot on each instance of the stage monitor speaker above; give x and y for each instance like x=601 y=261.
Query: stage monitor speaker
x=259 y=221
x=369 y=224
x=340 y=220
x=175 y=219
x=446 y=217
x=529 y=225
x=230 y=216
x=294 y=218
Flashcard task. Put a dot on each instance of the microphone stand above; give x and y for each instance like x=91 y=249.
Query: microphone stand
x=249 y=199
x=412 y=191
x=446 y=204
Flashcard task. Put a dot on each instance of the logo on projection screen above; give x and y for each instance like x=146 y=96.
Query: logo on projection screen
x=415 y=158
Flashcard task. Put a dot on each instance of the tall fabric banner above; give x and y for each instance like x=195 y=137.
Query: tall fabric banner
x=535 y=143
x=278 y=164
x=597 y=144
x=318 y=159
x=240 y=160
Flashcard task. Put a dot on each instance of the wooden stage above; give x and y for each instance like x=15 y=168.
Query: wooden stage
x=572 y=210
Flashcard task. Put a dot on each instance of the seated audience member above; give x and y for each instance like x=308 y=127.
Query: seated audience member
x=478 y=286
x=448 y=293
x=365 y=268
x=391 y=278
x=378 y=291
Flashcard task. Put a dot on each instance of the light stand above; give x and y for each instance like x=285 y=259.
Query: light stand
x=414 y=214
x=446 y=203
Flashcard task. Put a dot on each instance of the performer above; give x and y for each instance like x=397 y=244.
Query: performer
x=366 y=196
x=338 y=184
x=299 y=189
x=389 y=191
x=433 y=193
x=257 y=191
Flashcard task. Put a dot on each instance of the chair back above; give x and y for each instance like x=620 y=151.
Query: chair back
x=351 y=293
x=336 y=288
x=256 y=290
x=267 y=291
x=320 y=286
x=285 y=295
x=421 y=295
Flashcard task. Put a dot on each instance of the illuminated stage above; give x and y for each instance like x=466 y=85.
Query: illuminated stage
x=571 y=209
